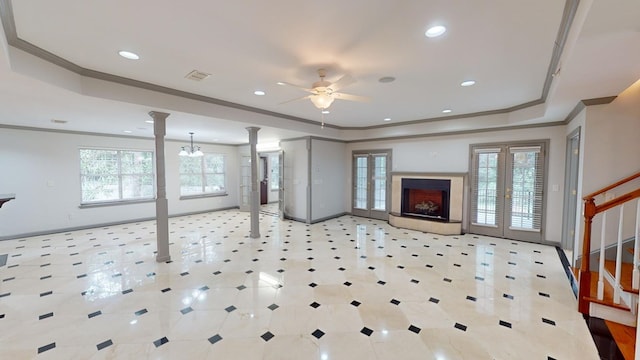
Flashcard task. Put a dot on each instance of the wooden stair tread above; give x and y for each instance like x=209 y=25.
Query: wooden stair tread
x=626 y=275
x=607 y=299
x=625 y=338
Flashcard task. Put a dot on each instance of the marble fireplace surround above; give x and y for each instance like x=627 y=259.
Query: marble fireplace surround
x=456 y=198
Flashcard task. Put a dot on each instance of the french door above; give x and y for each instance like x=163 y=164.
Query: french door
x=370 y=184
x=507 y=188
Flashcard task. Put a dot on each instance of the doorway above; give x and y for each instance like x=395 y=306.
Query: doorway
x=572 y=164
x=370 y=196
x=507 y=187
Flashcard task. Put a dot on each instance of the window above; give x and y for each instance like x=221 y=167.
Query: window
x=116 y=175
x=274 y=180
x=202 y=175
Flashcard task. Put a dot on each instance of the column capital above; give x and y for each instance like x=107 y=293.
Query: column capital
x=158 y=115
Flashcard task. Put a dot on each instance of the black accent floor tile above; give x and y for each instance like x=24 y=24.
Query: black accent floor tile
x=230 y=308
x=141 y=312
x=215 y=338
x=434 y=300
x=415 y=281
x=395 y=302
x=318 y=333
x=346 y=283
x=44 y=316
x=273 y=307
x=447 y=280
x=47 y=293
x=125 y=292
x=46 y=347
x=165 y=290
x=314 y=305
x=94 y=314
x=471 y=298
x=510 y=277
x=204 y=288
x=547 y=321
x=382 y=282
x=241 y=287
x=161 y=341
x=104 y=344
x=505 y=324
x=479 y=278
x=544 y=294
x=267 y=336
x=356 y=303
x=365 y=330
x=313 y=285
x=184 y=273
x=460 y=327
x=414 y=329
x=510 y=297
x=186 y=310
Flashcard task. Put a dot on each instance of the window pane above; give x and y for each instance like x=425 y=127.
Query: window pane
x=360 y=198
x=486 y=194
x=274 y=180
x=202 y=175
x=137 y=186
x=190 y=184
x=115 y=175
x=99 y=188
x=136 y=162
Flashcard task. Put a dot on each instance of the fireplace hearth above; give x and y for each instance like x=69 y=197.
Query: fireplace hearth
x=426 y=198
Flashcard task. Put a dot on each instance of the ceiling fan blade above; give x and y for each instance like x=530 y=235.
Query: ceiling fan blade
x=342 y=82
x=296 y=99
x=343 y=96
x=296 y=86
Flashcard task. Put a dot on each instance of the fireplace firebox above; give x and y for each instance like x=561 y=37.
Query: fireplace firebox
x=426 y=198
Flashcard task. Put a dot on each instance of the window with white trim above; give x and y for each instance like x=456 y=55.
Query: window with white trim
x=204 y=175
x=116 y=175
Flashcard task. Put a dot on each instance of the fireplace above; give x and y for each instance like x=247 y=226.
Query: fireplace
x=426 y=198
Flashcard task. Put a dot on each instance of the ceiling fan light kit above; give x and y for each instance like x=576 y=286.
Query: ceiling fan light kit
x=323 y=92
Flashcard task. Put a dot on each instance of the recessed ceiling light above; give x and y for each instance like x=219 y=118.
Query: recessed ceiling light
x=259 y=92
x=386 y=79
x=387 y=119
x=446 y=111
x=467 y=83
x=129 y=55
x=127 y=131
x=149 y=121
x=325 y=111
x=435 y=31
x=280 y=83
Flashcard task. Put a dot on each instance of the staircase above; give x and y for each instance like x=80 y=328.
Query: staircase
x=609 y=290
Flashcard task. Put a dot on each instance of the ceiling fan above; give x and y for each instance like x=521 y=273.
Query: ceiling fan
x=323 y=92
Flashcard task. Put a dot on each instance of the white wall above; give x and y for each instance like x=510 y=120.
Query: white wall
x=43 y=170
x=441 y=154
x=611 y=152
x=329 y=179
x=296 y=178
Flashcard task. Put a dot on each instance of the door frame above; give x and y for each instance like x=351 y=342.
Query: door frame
x=570 y=206
x=544 y=143
x=369 y=213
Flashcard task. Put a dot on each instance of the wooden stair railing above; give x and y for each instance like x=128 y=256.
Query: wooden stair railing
x=590 y=211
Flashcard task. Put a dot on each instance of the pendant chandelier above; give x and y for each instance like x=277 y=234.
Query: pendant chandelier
x=192 y=151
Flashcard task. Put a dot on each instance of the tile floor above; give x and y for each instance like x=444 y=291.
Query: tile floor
x=347 y=288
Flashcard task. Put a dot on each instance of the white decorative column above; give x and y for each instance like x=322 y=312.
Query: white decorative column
x=162 y=206
x=255 y=189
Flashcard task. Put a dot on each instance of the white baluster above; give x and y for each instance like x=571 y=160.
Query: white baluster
x=601 y=264
x=617 y=290
x=636 y=249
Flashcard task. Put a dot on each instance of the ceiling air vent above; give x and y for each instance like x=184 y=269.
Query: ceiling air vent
x=196 y=75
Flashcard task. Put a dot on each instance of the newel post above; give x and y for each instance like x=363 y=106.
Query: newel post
x=585 y=274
